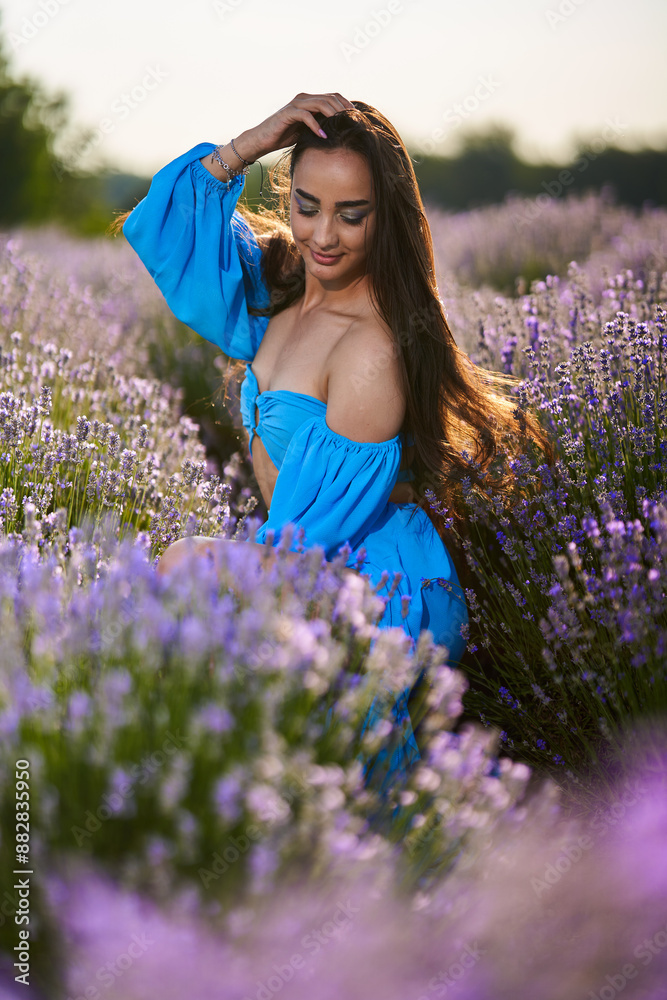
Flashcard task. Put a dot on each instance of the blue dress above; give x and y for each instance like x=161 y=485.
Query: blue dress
x=206 y=262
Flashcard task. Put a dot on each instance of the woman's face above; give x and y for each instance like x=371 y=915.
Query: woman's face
x=332 y=213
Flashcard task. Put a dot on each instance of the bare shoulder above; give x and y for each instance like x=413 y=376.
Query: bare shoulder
x=368 y=349
x=365 y=398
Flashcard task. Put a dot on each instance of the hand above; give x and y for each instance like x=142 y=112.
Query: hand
x=282 y=127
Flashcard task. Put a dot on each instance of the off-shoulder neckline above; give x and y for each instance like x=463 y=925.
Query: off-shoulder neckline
x=396 y=439
x=389 y=443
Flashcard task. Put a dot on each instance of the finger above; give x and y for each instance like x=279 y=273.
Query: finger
x=321 y=105
x=307 y=118
x=348 y=105
x=336 y=97
x=327 y=104
x=315 y=126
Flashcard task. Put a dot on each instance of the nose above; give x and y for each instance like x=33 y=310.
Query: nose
x=324 y=234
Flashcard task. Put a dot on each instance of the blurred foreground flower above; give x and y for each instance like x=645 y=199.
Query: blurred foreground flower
x=551 y=910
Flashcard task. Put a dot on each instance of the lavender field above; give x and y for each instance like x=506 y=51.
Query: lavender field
x=187 y=753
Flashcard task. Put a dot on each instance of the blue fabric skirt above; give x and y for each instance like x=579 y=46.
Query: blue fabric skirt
x=404 y=540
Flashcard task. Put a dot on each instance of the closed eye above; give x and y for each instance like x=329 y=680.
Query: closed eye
x=351 y=222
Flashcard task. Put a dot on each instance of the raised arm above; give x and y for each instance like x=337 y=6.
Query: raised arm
x=201 y=253
x=236 y=154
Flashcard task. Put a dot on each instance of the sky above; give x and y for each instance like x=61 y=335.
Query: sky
x=152 y=79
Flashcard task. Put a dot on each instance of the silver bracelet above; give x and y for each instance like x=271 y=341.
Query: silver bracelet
x=248 y=163
x=231 y=171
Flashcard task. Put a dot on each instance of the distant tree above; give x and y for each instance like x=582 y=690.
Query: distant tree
x=487 y=169
x=40 y=179
x=28 y=184
x=635 y=177
x=35 y=186
x=483 y=170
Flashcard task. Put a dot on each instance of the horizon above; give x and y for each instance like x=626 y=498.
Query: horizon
x=557 y=80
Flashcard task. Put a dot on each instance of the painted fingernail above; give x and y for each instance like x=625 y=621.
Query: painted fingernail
x=323 y=134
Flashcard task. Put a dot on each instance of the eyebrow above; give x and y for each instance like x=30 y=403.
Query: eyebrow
x=339 y=204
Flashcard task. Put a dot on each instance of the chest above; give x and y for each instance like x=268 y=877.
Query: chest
x=295 y=355
x=296 y=350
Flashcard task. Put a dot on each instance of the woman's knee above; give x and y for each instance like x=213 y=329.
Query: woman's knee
x=186 y=548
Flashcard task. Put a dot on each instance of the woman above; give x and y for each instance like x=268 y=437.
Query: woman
x=355 y=397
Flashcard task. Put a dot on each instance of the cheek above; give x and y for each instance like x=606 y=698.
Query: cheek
x=299 y=232
x=298 y=223
x=301 y=226
x=361 y=238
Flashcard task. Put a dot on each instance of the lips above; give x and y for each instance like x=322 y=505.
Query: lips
x=325 y=259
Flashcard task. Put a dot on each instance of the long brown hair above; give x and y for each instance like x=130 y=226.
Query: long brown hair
x=460 y=416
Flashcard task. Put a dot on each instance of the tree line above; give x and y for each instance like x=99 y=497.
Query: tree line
x=40 y=183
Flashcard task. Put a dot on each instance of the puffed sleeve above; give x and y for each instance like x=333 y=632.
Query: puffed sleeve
x=201 y=252
x=333 y=487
